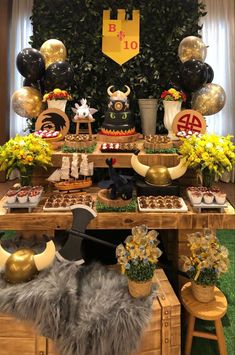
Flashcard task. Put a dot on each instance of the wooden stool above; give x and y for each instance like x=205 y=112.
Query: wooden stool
x=84 y=120
x=212 y=311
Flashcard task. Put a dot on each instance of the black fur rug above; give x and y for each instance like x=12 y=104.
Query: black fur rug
x=86 y=310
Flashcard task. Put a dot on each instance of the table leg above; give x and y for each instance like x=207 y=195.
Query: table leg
x=189 y=337
x=220 y=336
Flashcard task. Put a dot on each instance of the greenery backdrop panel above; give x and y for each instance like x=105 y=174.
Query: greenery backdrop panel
x=78 y=24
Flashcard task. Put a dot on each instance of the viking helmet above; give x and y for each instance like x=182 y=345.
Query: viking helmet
x=157 y=175
x=23 y=264
x=118 y=95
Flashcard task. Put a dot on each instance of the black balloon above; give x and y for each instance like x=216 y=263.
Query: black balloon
x=193 y=74
x=59 y=75
x=31 y=64
x=210 y=73
x=175 y=83
x=33 y=84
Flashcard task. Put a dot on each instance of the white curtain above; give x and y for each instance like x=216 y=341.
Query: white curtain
x=219 y=34
x=21 y=30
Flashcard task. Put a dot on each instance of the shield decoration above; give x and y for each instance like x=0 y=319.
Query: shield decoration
x=121 y=37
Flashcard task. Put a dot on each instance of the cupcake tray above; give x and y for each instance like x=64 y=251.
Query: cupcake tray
x=203 y=205
x=184 y=208
x=27 y=205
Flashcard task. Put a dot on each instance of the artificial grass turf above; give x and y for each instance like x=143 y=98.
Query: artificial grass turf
x=227 y=285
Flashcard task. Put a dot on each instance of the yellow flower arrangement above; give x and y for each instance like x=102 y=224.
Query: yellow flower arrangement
x=138 y=258
x=208 y=259
x=209 y=151
x=57 y=94
x=23 y=152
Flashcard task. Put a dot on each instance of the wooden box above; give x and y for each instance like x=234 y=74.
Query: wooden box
x=162 y=337
x=17 y=337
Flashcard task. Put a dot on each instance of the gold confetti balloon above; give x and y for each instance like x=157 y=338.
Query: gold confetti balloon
x=209 y=100
x=192 y=47
x=53 y=51
x=27 y=102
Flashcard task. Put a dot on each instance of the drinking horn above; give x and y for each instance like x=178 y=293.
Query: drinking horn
x=158 y=175
x=23 y=264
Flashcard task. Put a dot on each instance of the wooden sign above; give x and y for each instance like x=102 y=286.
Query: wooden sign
x=189 y=120
x=120 y=40
x=53 y=119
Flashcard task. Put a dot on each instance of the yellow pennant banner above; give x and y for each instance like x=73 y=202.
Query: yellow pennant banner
x=121 y=37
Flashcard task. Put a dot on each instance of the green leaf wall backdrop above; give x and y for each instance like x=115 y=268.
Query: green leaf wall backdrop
x=78 y=24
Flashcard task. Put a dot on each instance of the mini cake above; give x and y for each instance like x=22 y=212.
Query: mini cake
x=196 y=197
x=34 y=195
x=220 y=197
x=208 y=197
x=11 y=196
x=118 y=119
x=22 y=195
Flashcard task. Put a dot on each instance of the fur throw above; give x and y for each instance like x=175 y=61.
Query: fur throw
x=86 y=310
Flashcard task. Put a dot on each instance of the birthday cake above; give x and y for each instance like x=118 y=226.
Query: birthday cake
x=118 y=119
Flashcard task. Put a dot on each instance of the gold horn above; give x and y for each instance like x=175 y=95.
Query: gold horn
x=128 y=90
x=140 y=168
x=178 y=170
x=4 y=255
x=45 y=259
x=109 y=90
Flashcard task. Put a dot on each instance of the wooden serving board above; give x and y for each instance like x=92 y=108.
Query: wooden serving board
x=184 y=208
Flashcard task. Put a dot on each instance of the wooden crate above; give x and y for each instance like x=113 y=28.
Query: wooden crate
x=17 y=337
x=162 y=337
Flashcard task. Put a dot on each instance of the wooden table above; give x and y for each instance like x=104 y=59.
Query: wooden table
x=38 y=219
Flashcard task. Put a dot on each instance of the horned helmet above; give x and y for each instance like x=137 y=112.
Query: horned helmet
x=118 y=99
x=23 y=264
x=158 y=175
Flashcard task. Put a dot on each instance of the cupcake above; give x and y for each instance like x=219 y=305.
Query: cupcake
x=22 y=196
x=11 y=196
x=208 y=197
x=196 y=197
x=220 y=198
x=34 y=195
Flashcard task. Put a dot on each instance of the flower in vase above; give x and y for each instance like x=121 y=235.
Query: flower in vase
x=209 y=152
x=173 y=95
x=208 y=259
x=138 y=258
x=24 y=152
x=57 y=94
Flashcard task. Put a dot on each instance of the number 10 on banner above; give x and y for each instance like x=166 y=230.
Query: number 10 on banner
x=120 y=39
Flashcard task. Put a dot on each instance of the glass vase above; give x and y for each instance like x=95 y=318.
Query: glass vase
x=171 y=108
x=208 y=177
x=26 y=174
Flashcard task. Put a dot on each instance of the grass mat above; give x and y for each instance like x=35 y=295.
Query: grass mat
x=227 y=285
x=131 y=207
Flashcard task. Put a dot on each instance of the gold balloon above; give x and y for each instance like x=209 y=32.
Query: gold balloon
x=20 y=266
x=27 y=102
x=192 y=47
x=158 y=175
x=53 y=50
x=209 y=100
